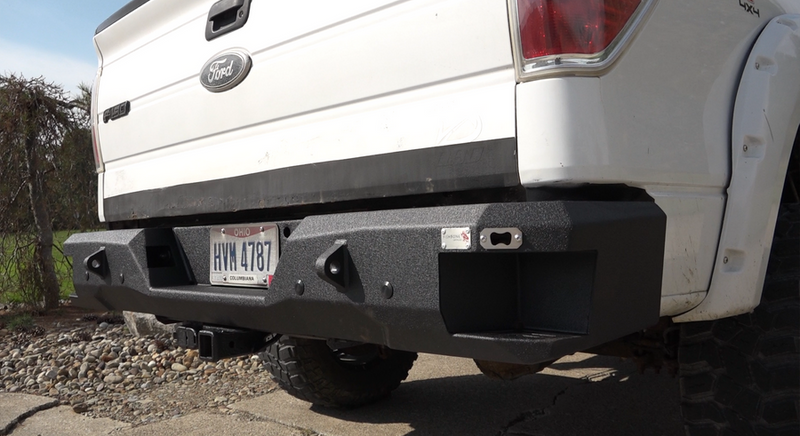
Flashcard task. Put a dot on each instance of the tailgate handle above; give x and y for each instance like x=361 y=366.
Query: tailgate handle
x=226 y=16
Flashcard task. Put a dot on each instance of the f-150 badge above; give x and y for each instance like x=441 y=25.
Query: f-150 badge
x=225 y=71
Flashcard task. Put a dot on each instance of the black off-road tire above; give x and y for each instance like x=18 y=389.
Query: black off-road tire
x=311 y=371
x=741 y=375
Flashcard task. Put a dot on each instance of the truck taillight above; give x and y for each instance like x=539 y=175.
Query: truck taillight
x=576 y=35
x=98 y=158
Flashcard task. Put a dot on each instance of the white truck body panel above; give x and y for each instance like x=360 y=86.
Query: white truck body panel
x=394 y=123
x=646 y=121
x=765 y=121
x=295 y=113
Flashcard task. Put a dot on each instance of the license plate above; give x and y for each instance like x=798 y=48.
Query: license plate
x=243 y=255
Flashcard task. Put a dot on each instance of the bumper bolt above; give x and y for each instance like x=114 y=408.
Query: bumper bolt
x=387 y=290
x=121 y=278
x=299 y=287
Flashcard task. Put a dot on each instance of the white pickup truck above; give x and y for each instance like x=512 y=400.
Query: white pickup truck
x=339 y=185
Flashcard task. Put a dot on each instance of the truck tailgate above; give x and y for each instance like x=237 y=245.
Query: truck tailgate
x=330 y=81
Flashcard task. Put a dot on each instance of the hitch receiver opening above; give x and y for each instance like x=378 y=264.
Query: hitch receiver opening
x=215 y=343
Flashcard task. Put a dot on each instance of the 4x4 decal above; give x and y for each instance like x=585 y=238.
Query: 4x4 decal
x=749 y=6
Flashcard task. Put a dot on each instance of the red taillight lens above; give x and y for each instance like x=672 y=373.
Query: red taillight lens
x=556 y=27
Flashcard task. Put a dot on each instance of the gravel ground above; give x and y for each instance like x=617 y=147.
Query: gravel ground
x=101 y=370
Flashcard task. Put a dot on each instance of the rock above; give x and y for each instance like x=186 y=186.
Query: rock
x=113 y=379
x=145 y=324
x=84 y=369
x=110 y=373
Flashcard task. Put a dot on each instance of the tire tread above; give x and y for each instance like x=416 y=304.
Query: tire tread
x=307 y=369
x=741 y=375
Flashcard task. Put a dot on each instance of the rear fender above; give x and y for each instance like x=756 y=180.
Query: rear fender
x=765 y=123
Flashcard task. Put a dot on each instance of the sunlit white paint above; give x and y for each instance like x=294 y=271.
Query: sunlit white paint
x=693 y=225
x=101 y=214
x=677 y=304
x=327 y=62
x=484 y=109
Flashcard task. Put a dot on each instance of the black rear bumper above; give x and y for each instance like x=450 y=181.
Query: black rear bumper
x=586 y=273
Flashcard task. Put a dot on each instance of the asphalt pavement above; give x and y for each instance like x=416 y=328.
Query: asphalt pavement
x=582 y=394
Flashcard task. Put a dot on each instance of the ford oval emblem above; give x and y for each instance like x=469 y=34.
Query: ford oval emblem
x=225 y=71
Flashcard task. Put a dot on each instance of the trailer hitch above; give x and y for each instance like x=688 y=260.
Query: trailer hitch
x=215 y=343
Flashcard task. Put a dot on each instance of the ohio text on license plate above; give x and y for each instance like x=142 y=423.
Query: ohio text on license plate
x=243 y=255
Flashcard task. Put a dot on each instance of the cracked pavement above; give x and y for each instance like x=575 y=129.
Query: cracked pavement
x=578 y=395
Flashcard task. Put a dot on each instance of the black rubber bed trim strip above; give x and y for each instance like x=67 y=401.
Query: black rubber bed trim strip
x=476 y=165
x=121 y=13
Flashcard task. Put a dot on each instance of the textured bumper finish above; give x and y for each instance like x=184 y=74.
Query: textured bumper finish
x=586 y=273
